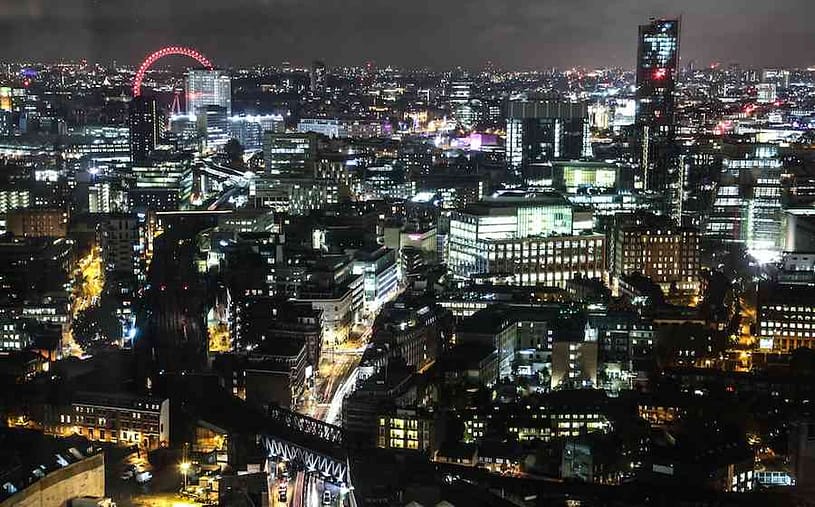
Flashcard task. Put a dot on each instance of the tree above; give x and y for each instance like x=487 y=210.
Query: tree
x=98 y=325
x=234 y=151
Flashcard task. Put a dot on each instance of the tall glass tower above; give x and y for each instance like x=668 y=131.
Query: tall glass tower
x=657 y=62
x=143 y=124
x=208 y=88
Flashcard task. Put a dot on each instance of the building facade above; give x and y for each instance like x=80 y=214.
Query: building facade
x=786 y=316
x=543 y=131
x=117 y=418
x=666 y=254
x=206 y=87
x=657 y=63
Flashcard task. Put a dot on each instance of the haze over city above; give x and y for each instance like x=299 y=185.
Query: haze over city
x=524 y=34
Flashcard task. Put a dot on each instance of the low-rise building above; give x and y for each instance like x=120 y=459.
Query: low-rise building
x=415 y=329
x=38 y=223
x=556 y=415
x=40 y=470
x=551 y=261
x=406 y=429
x=117 y=418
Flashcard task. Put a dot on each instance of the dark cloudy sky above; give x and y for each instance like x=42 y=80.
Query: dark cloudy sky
x=519 y=34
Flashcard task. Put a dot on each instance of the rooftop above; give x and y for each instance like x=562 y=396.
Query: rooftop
x=28 y=456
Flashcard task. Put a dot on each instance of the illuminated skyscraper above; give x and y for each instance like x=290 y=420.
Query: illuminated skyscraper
x=748 y=204
x=657 y=60
x=317 y=76
x=546 y=130
x=462 y=103
x=143 y=129
x=208 y=88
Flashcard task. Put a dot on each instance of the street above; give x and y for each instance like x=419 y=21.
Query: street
x=305 y=490
x=88 y=283
x=332 y=385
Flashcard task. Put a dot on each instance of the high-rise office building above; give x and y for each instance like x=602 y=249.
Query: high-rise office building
x=208 y=88
x=290 y=155
x=317 y=76
x=778 y=77
x=464 y=107
x=657 y=60
x=213 y=125
x=545 y=130
x=747 y=208
x=143 y=128
x=291 y=181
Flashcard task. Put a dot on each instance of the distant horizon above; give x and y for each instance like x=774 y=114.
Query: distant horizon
x=521 y=35
x=301 y=66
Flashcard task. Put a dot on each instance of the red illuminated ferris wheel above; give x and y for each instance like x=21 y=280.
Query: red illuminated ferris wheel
x=161 y=53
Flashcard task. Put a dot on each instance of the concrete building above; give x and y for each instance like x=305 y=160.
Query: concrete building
x=378 y=269
x=506 y=215
x=38 y=223
x=14 y=198
x=550 y=261
x=657 y=249
x=574 y=364
x=13 y=337
x=120 y=243
x=414 y=329
x=408 y=429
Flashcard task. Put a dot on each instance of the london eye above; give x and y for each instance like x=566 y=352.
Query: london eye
x=161 y=53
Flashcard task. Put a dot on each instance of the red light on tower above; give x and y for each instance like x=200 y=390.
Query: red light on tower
x=660 y=74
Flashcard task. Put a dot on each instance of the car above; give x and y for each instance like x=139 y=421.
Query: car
x=326 y=497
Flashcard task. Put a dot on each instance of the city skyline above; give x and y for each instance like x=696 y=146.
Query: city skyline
x=526 y=35
x=306 y=254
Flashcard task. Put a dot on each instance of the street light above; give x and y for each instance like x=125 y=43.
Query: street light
x=185 y=468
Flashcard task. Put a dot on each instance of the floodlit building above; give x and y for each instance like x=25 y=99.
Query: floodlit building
x=206 y=87
x=117 y=418
x=526 y=235
x=655 y=248
x=747 y=208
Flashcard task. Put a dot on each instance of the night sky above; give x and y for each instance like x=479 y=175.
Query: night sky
x=514 y=34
